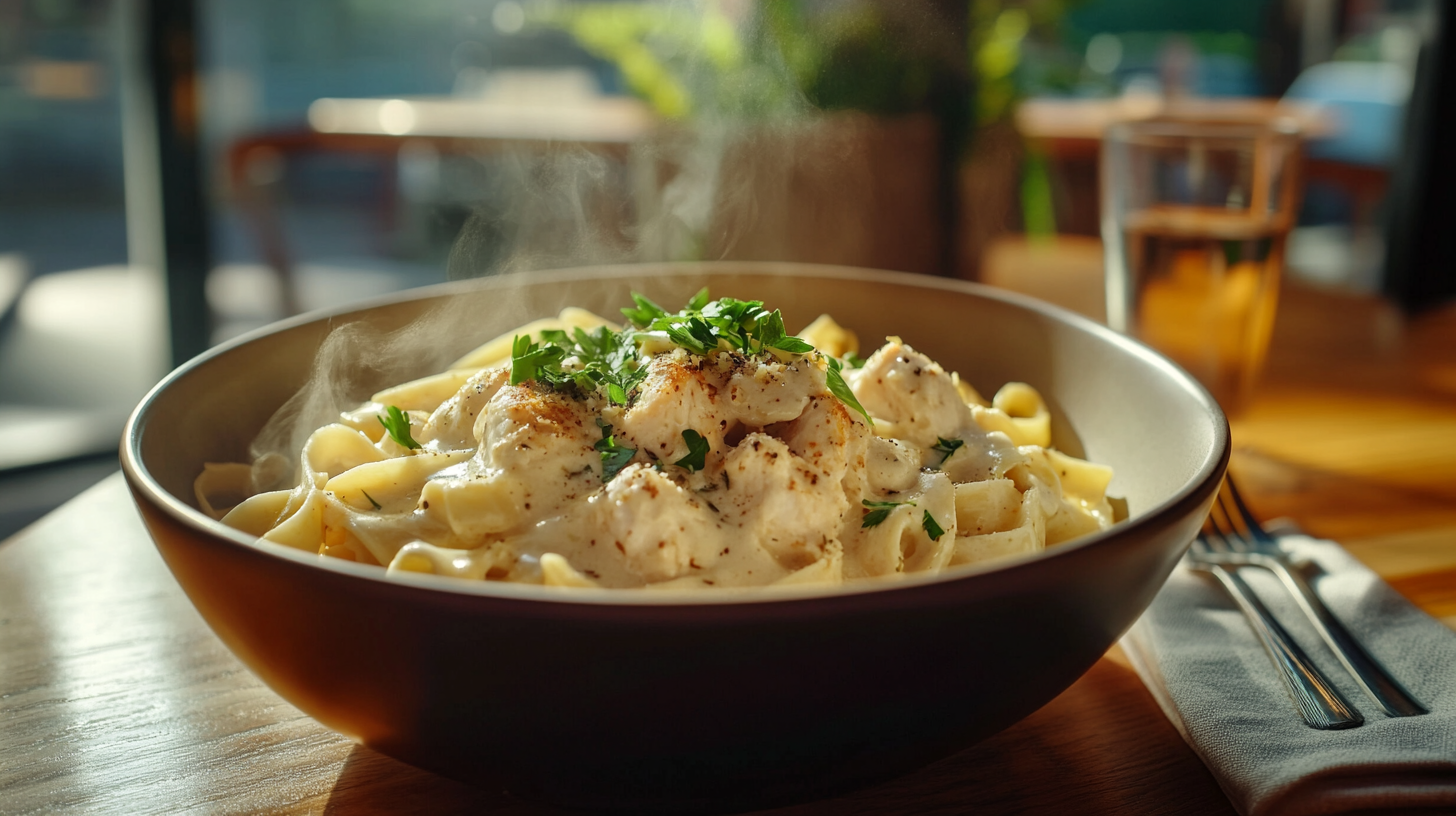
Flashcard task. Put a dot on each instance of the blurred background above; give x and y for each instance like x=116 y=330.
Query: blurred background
x=174 y=173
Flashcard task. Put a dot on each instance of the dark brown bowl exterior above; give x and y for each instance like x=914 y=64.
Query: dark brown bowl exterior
x=691 y=702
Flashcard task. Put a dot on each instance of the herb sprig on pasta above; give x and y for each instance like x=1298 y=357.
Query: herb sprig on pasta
x=614 y=362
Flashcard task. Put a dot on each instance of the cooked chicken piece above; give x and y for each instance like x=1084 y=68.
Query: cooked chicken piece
x=829 y=438
x=452 y=425
x=544 y=439
x=922 y=405
x=760 y=393
x=904 y=387
x=781 y=501
x=677 y=395
x=659 y=528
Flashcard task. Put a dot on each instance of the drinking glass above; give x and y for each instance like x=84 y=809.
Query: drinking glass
x=1195 y=216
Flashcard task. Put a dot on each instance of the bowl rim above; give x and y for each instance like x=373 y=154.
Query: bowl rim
x=145 y=486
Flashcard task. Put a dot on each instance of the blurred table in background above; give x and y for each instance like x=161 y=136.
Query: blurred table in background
x=1069 y=133
x=116 y=697
x=599 y=179
x=539 y=111
x=1074 y=127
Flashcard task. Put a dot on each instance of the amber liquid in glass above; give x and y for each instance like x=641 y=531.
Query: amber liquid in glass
x=1206 y=283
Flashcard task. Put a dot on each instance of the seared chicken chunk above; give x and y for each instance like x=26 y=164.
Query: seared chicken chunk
x=906 y=388
x=781 y=501
x=452 y=425
x=544 y=440
x=676 y=396
x=656 y=525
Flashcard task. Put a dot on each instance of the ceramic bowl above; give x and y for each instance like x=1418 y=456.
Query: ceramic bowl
x=640 y=700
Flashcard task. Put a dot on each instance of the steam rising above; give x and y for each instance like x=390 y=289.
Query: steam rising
x=353 y=362
x=672 y=197
x=359 y=358
x=772 y=180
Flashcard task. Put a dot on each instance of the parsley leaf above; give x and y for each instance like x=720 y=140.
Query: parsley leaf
x=854 y=360
x=946 y=447
x=698 y=301
x=600 y=359
x=371 y=500
x=693 y=334
x=697 y=451
x=839 y=388
x=927 y=522
x=397 y=425
x=703 y=326
x=771 y=334
x=771 y=329
x=736 y=321
x=614 y=456
x=645 y=313
x=530 y=361
x=793 y=345
x=879 y=511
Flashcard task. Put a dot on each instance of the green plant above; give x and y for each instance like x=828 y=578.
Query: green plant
x=999 y=32
x=693 y=60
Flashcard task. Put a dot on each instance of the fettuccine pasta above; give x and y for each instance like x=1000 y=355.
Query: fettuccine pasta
x=702 y=448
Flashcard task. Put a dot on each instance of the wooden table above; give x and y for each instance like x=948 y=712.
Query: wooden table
x=115 y=697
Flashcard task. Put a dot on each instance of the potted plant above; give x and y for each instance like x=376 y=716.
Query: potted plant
x=820 y=132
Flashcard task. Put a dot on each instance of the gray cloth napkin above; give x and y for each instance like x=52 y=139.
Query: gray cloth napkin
x=1200 y=659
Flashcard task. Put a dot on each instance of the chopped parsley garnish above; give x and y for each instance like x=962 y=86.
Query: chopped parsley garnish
x=854 y=360
x=396 y=423
x=927 y=522
x=646 y=310
x=704 y=326
x=591 y=360
x=839 y=388
x=693 y=334
x=771 y=334
x=697 y=451
x=614 y=456
x=879 y=511
x=371 y=500
x=698 y=301
x=531 y=361
x=612 y=362
x=946 y=447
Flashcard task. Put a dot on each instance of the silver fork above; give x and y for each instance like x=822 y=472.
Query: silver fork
x=1319 y=702
x=1248 y=543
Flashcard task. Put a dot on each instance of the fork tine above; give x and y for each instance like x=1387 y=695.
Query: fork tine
x=1228 y=538
x=1256 y=530
x=1200 y=541
x=1231 y=522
